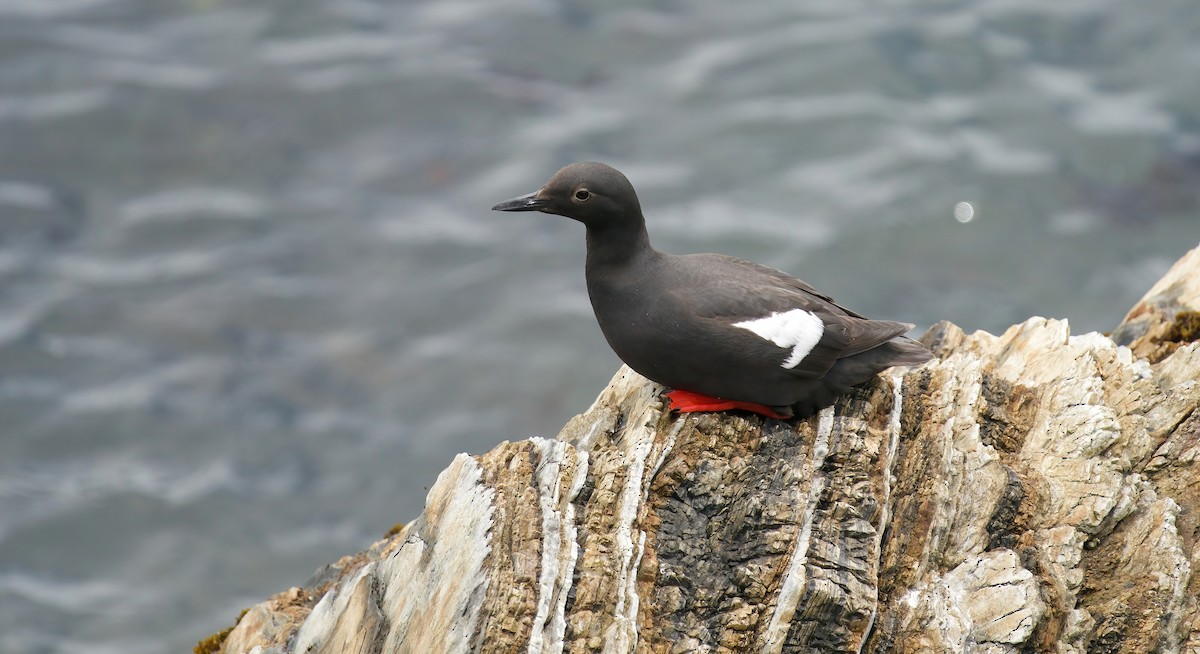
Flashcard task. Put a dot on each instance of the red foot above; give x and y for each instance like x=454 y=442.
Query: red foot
x=689 y=402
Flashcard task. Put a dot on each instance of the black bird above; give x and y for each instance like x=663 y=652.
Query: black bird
x=724 y=333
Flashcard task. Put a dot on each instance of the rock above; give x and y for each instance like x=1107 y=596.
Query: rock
x=1028 y=492
x=1167 y=316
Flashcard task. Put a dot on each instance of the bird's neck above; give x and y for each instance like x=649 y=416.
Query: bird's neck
x=618 y=245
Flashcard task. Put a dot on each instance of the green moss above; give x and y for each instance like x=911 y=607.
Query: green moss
x=1185 y=329
x=213 y=643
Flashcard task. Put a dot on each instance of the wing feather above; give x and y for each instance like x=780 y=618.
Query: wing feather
x=734 y=291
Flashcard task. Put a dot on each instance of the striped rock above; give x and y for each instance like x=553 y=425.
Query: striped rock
x=1032 y=491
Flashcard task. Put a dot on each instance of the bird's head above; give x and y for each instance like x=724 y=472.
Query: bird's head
x=595 y=194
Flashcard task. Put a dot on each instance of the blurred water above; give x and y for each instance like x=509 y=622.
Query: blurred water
x=252 y=299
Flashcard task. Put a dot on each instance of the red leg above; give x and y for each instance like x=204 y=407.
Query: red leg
x=689 y=402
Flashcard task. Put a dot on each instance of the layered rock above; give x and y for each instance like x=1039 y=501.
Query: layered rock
x=1028 y=492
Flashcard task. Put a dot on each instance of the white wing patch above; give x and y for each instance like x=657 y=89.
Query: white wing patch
x=797 y=329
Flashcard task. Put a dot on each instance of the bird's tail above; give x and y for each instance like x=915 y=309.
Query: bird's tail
x=859 y=369
x=904 y=351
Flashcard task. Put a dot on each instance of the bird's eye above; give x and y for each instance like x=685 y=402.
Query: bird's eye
x=582 y=194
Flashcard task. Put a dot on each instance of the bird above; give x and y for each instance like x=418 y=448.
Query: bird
x=720 y=333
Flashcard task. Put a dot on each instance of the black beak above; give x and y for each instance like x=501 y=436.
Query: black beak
x=530 y=202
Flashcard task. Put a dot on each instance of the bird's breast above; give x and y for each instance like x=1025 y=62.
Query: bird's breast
x=633 y=322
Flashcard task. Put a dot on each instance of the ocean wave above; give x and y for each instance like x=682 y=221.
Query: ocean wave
x=183 y=203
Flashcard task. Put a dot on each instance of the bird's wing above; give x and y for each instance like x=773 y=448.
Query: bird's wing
x=752 y=278
x=781 y=309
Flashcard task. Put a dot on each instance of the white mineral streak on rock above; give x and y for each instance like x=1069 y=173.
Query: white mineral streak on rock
x=639 y=442
x=549 y=483
x=662 y=458
x=435 y=582
x=1174 y=569
x=897 y=380
x=586 y=441
x=621 y=636
x=794 y=579
x=634 y=600
x=558 y=624
x=559 y=546
x=428 y=591
x=318 y=631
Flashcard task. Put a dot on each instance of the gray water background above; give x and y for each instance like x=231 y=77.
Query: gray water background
x=252 y=299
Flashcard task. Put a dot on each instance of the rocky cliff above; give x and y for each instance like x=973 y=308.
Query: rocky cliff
x=1028 y=492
